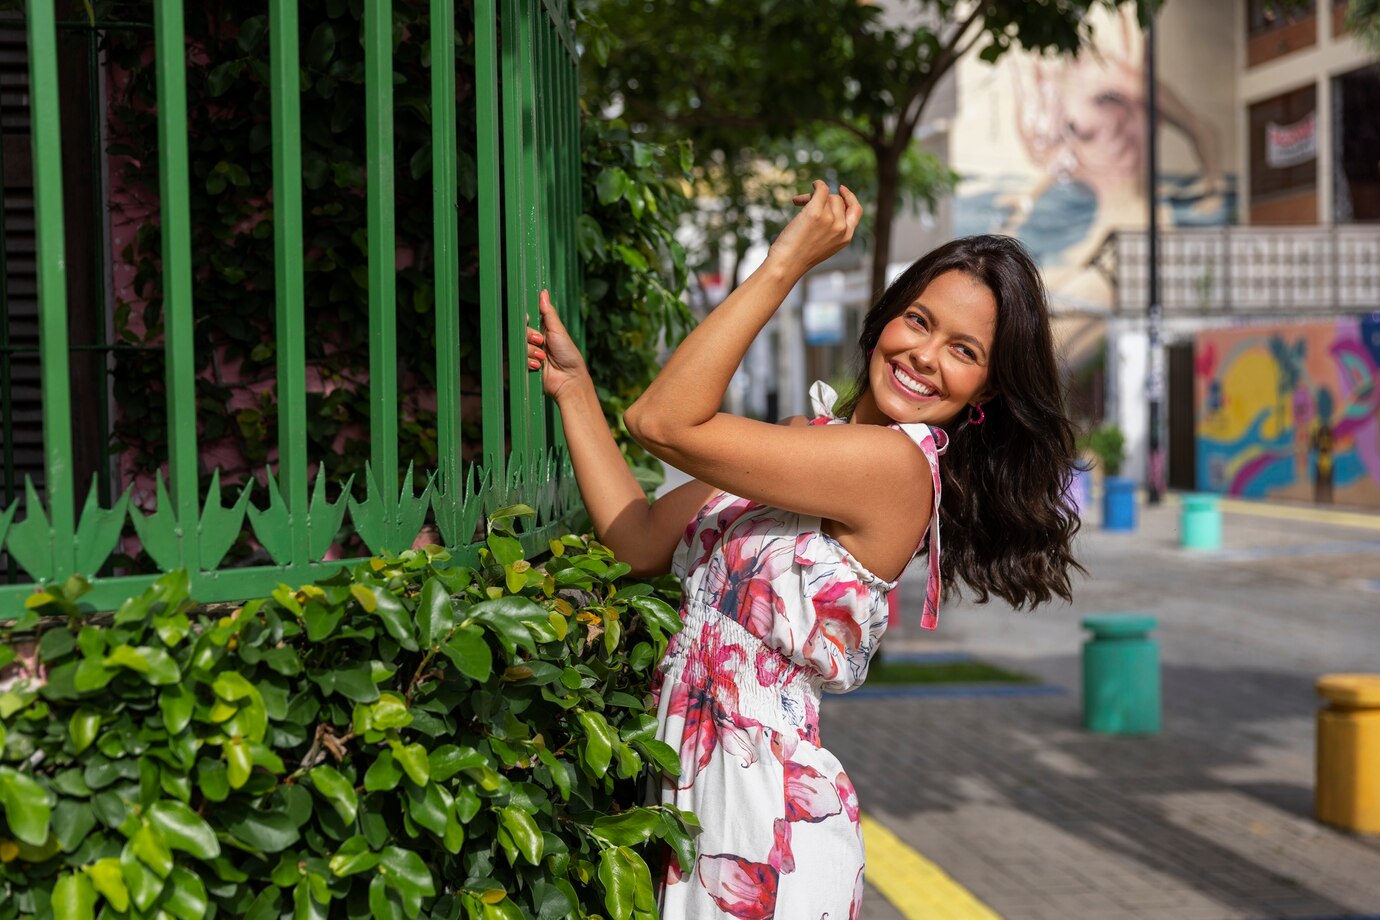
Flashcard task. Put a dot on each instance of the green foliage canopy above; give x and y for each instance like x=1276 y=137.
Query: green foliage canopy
x=763 y=72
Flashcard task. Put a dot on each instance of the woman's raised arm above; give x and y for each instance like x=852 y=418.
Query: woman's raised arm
x=863 y=476
x=642 y=535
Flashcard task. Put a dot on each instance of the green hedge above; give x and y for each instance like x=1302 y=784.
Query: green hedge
x=406 y=739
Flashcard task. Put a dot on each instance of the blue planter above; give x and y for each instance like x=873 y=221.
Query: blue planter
x=1118 y=503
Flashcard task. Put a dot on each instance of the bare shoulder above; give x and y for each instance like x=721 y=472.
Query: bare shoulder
x=794 y=421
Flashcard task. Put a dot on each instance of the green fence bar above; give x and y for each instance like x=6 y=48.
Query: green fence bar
x=571 y=182
x=490 y=232
x=443 y=157
x=285 y=86
x=383 y=349
x=173 y=178
x=535 y=277
x=52 y=292
x=528 y=176
x=515 y=254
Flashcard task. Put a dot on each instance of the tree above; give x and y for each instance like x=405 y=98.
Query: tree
x=739 y=77
x=1363 y=18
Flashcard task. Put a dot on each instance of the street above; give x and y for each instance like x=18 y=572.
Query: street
x=1212 y=818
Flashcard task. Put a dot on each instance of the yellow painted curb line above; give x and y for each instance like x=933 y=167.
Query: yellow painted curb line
x=916 y=887
x=1291 y=513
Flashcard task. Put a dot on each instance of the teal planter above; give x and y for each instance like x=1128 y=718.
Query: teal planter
x=1200 y=524
x=1118 y=503
x=1121 y=675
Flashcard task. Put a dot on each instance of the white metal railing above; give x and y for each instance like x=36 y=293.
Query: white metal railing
x=1249 y=270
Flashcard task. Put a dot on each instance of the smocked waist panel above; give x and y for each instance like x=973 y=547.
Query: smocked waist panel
x=745 y=676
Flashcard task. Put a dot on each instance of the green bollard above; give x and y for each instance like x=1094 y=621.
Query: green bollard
x=1121 y=675
x=1201 y=522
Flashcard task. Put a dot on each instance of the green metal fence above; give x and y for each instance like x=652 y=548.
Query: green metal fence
x=528 y=181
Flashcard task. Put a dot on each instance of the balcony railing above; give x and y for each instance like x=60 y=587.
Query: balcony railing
x=1249 y=271
x=528 y=174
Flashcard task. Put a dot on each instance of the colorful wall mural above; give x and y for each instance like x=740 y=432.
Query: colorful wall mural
x=1290 y=411
x=1053 y=150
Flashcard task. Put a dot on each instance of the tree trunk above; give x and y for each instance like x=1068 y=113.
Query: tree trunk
x=888 y=182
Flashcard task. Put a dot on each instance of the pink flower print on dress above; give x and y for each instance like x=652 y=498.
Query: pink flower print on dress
x=740 y=737
x=738 y=577
x=770 y=665
x=848 y=795
x=699 y=735
x=836 y=628
x=722 y=521
x=742 y=889
x=809 y=794
x=781 y=858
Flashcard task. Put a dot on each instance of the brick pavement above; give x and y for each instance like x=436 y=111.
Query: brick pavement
x=1211 y=818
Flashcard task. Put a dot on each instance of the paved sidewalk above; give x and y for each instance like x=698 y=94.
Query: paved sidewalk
x=1210 y=819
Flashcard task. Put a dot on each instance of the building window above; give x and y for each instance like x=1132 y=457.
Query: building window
x=1278 y=27
x=1267 y=15
x=1356 y=146
x=1284 y=158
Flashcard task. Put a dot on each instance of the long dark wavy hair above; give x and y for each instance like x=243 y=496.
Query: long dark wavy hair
x=1009 y=520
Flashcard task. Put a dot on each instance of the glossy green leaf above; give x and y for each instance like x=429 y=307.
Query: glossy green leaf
x=336 y=790
x=83 y=726
x=353 y=856
x=26 y=806
x=407 y=872
x=435 y=612
x=72 y=821
x=382 y=906
x=413 y=759
x=598 y=742
x=176 y=703
x=152 y=850
x=396 y=618
x=450 y=759
x=619 y=883
x=239 y=762
x=108 y=879
x=74 y=898
x=184 y=829
x=383 y=773
x=390 y=711
x=429 y=806
x=267 y=832
x=154 y=664
x=524 y=831
x=143 y=884
x=628 y=828
x=186 y=895
x=470 y=654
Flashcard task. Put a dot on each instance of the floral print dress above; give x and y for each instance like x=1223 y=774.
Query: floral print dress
x=775 y=612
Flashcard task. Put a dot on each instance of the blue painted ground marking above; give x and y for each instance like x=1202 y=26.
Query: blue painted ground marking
x=951 y=690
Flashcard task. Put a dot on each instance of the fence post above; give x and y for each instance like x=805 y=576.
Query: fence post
x=173 y=178
x=52 y=294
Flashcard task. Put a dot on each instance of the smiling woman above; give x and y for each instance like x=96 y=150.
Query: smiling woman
x=790 y=537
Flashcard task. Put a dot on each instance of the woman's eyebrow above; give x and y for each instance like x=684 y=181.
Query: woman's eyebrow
x=962 y=336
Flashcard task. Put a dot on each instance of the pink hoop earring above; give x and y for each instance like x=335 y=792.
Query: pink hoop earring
x=981 y=416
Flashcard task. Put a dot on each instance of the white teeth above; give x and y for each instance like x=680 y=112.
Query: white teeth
x=914 y=386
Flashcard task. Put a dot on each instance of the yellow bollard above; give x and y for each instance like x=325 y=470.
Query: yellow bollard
x=1348 y=781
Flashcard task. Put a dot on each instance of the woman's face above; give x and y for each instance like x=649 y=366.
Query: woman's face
x=931 y=362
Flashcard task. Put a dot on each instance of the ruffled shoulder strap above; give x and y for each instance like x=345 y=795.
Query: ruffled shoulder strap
x=932 y=442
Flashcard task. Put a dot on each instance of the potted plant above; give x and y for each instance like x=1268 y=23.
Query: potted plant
x=1108 y=444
